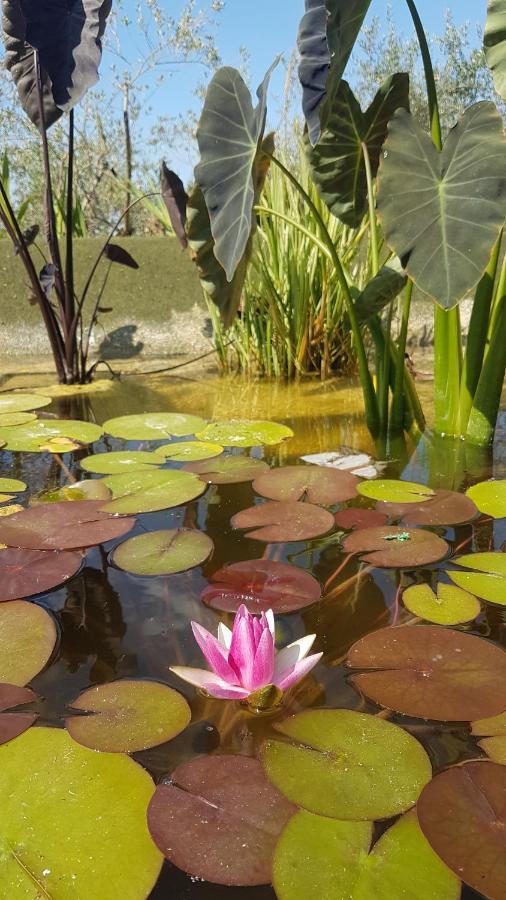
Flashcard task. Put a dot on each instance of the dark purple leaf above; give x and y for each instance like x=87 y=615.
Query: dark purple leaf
x=175 y=199
x=116 y=254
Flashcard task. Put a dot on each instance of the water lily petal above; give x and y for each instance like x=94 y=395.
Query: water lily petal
x=228 y=692
x=263 y=668
x=290 y=676
x=293 y=653
x=269 y=615
x=215 y=654
x=224 y=636
x=241 y=656
x=209 y=682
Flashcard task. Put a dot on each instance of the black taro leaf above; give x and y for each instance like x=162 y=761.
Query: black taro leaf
x=175 y=199
x=29 y=236
x=219 y=820
x=116 y=254
x=47 y=277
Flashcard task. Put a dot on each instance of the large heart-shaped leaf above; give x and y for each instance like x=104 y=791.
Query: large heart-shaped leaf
x=163 y=552
x=337 y=162
x=346 y=765
x=327 y=34
x=462 y=813
x=73 y=819
x=63 y=526
x=495 y=43
x=431 y=672
x=285 y=520
x=27 y=638
x=317 y=484
x=219 y=820
x=261 y=584
x=229 y=137
x=27 y=572
x=326 y=858
x=126 y=716
x=442 y=212
x=69 y=42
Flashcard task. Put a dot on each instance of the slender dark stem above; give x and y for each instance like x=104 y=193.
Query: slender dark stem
x=86 y=344
x=70 y=344
x=435 y=122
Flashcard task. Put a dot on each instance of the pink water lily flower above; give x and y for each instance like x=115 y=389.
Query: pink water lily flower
x=244 y=660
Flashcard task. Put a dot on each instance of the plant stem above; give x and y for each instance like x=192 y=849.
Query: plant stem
x=483 y=416
x=397 y=410
x=70 y=341
x=435 y=122
x=372 y=212
x=370 y=401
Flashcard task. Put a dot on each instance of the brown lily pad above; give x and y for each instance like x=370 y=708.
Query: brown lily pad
x=227 y=469
x=27 y=572
x=284 y=521
x=219 y=820
x=63 y=526
x=27 y=639
x=355 y=519
x=14 y=723
x=128 y=715
x=313 y=483
x=431 y=672
x=462 y=813
x=443 y=508
x=261 y=584
x=389 y=546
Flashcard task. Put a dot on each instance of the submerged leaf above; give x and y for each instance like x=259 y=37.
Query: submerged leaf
x=284 y=521
x=432 y=672
x=163 y=552
x=261 y=584
x=27 y=639
x=346 y=765
x=219 y=820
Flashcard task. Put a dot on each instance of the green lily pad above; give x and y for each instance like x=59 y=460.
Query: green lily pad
x=228 y=469
x=163 y=552
x=284 y=521
x=127 y=716
x=153 y=426
x=27 y=572
x=489 y=579
x=493 y=731
x=14 y=723
x=63 y=526
x=332 y=860
x=346 y=765
x=245 y=433
x=462 y=813
x=9 y=419
x=490 y=497
x=89 y=489
x=261 y=584
x=189 y=451
x=73 y=820
x=14 y=403
x=443 y=508
x=35 y=436
x=394 y=491
x=316 y=484
x=120 y=462
x=140 y=492
x=388 y=546
x=219 y=820
x=431 y=672
x=450 y=606
x=12 y=484
x=27 y=639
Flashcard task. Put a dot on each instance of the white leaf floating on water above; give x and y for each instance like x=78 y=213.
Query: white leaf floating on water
x=346 y=459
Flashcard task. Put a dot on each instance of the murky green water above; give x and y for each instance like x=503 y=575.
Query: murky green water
x=115 y=625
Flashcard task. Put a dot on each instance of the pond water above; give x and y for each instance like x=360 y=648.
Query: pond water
x=117 y=625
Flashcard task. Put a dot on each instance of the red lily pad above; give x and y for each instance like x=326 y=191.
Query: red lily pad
x=389 y=546
x=462 y=813
x=27 y=639
x=431 y=672
x=261 y=584
x=355 y=519
x=227 y=469
x=313 y=483
x=284 y=521
x=63 y=526
x=219 y=820
x=126 y=716
x=14 y=723
x=27 y=572
x=443 y=508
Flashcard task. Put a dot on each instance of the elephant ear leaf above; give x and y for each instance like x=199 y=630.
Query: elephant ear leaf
x=67 y=38
x=226 y=295
x=381 y=290
x=229 y=136
x=441 y=212
x=495 y=43
x=327 y=35
x=337 y=162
